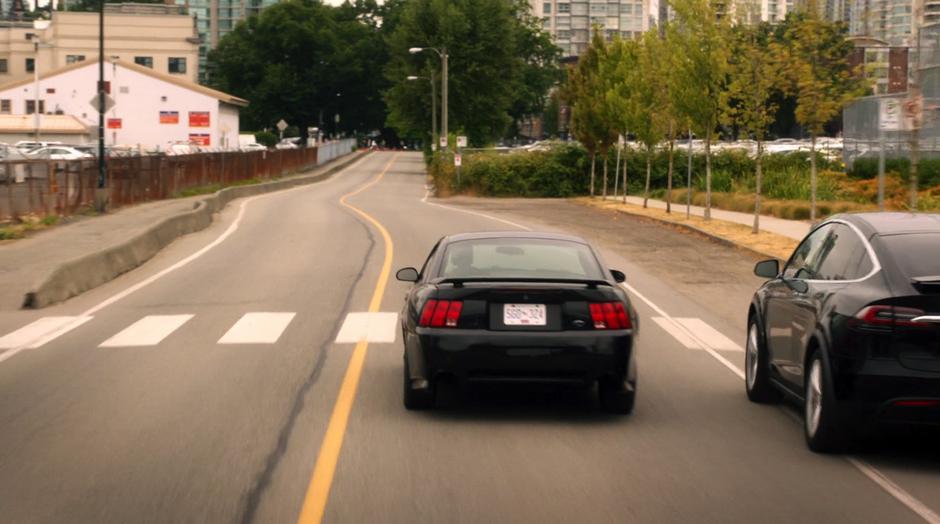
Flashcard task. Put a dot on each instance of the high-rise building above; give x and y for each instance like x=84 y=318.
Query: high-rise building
x=570 y=21
x=217 y=18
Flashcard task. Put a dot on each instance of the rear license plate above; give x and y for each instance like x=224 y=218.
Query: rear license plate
x=524 y=314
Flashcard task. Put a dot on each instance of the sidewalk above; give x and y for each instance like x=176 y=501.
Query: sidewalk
x=26 y=262
x=795 y=229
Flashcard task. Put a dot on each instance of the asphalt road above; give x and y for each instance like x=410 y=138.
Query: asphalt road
x=203 y=385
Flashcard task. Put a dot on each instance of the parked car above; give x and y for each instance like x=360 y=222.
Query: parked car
x=517 y=307
x=26 y=146
x=289 y=143
x=253 y=147
x=58 y=153
x=850 y=327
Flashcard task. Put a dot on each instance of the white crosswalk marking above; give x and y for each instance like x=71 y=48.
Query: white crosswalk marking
x=695 y=333
x=257 y=328
x=40 y=332
x=148 y=331
x=368 y=327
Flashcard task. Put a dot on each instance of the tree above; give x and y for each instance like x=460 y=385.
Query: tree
x=305 y=62
x=813 y=56
x=501 y=66
x=755 y=74
x=550 y=117
x=700 y=36
x=649 y=99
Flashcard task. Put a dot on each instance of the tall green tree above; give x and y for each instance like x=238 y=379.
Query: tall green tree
x=305 y=62
x=501 y=66
x=813 y=56
x=755 y=75
x=700 y=36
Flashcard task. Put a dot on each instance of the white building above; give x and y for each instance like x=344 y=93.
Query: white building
x=151 y=109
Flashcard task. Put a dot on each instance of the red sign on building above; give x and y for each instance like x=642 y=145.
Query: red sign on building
x=198 y=119
x=199 y=139
x=169 y=117
x=114 y=123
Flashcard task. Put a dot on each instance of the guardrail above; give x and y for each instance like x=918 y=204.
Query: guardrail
x=64 y=187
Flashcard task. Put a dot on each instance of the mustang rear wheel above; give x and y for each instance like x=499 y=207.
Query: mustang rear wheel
x=615 y=398
x=416 y=398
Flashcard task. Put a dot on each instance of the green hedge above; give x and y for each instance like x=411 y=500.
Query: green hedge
x=928 y=169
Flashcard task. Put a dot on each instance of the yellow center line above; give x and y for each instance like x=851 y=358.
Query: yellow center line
x=318 y=492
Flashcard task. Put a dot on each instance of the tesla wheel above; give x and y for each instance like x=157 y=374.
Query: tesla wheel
x=824 y=431
x=757 y=368
x=615 y=399
x=415 y=399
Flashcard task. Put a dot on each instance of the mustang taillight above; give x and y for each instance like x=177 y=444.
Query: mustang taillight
x=888 y=316
x=609 y=315
x=440 y=313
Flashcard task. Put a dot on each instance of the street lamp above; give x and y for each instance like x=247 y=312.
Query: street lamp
x=433 y=106
x=38 y=25
x=442 y=52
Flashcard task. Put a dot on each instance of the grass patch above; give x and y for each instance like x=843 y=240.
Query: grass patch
x=25 y=225
x=764 y=242
x=212 y=188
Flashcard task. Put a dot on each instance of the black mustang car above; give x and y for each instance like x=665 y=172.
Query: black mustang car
x=851 y=326
x=517 y=307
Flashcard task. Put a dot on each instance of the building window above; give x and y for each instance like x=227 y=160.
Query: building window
x=547 y=8
x=73 y=59
x=564 y=8
x=30 y=65
x=5 y=106
x=146 y=61
x=31 y=106
x=177 y=65
x=3 y=65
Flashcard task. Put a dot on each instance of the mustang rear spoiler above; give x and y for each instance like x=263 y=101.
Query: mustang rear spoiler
x=460 y=281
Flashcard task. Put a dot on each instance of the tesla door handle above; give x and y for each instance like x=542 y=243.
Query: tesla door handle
x=933 y=319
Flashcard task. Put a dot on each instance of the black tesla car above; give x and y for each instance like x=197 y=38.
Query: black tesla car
x=850 y=326
x=517 y=307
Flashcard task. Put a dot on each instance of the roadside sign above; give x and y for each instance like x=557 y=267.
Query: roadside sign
x=114 y=123
x=457 y=160
x=889 y=117
x=443 y=141
x=108 y=102
x=281 y=125
x=461 y=141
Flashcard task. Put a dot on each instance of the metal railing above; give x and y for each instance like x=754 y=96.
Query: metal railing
x=65 y=187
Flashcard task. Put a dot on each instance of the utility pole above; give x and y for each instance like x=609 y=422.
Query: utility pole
x=443 y=54
x=101 y=95
x=915 y=102
x=434 y=139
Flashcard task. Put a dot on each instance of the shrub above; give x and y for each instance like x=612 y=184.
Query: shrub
x=266 y=138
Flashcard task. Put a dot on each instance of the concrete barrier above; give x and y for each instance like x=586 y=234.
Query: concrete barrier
x=81 y=274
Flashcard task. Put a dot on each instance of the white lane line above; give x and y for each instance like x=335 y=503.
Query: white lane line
x=39 y=332
x=368 y=327
x=43 y=338
x=711 y=336
x=678 y=334
x=899 y=494
x=469 y=212
x=257 y=328
x=148 y=331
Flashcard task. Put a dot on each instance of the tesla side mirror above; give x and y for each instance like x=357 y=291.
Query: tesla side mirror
x=767 y=269
x=618 y=276
x=408 y=274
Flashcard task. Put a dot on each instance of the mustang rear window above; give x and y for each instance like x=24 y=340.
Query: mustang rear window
x=519 y=258
x=918 y=254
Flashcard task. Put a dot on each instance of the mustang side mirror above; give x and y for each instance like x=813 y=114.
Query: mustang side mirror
x=767 y=269
x=618 y=276
x=408 y=274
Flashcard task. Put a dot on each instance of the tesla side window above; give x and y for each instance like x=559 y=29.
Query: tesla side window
x=918 y=254
x=843 y=255
x=805 y=260
x=514 y=257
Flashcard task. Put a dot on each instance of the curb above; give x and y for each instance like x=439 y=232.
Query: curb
x=698 y=231
x=81 y=274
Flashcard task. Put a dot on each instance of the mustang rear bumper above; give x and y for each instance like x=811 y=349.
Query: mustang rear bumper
x=521 y=356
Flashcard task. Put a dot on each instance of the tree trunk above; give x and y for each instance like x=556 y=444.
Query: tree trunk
x=688 y=192
x=617 y=169
x=757 y=182
x=649 y=162
x=604 y=188
x=708 y=174
x=593 y=159
x=672 y=143
x=812 y=179
x=915 y=161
